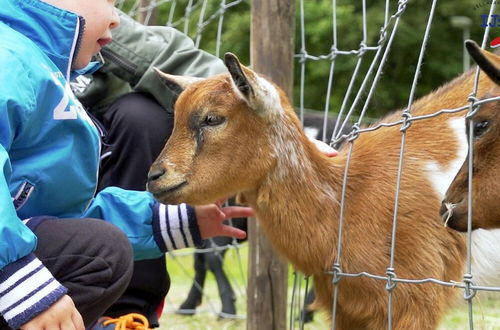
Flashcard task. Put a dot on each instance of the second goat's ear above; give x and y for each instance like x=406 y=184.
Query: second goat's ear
x=488 y=62
x=176 y=84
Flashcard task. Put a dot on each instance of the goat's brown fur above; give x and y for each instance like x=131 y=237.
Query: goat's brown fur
x=261 y=153
x=485 y=193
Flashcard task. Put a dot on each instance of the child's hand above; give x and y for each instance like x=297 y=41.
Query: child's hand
x=210 y=219
x=61 y=315
x=324 y=148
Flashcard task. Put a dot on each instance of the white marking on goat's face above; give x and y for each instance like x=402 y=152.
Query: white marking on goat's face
x=441 y=177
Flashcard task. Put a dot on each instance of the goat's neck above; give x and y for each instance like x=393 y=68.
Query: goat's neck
x=298 y=201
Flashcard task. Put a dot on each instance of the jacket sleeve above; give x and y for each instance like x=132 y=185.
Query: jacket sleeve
x=27 y=288
x=152 y=228
x=137 y=48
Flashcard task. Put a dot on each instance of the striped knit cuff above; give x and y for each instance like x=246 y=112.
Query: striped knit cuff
x=27 y=288
x=175 y=227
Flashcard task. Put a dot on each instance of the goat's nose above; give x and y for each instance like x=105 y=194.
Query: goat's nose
x=155 y=174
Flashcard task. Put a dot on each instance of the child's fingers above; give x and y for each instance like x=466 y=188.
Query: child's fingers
x=238 y=212
x=233 y=232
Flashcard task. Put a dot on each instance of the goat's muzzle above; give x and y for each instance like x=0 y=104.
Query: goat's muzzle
x=452 y=217
x=165 y=188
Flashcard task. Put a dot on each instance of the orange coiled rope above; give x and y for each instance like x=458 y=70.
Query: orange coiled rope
x=132 y=321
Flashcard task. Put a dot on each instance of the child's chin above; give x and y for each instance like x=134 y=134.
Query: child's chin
x=80 y=63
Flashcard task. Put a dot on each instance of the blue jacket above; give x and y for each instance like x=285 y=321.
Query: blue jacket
x=49 y=153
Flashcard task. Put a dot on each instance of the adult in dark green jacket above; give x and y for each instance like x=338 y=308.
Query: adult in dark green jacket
x=134 y=108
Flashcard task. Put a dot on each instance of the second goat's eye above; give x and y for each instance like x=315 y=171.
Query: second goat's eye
x=480 y=128
x=212 y=120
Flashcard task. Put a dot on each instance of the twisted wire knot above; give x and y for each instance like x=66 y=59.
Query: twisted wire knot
x=362 y=49
x=354 y=133
x=302 y=55
x=390 y=276
x=473 y=108
x=407 y=121
x=383 y=35
x=336 y=272
x=333 y=53
x=401 y=8
x=469 y=292
x=472 y=98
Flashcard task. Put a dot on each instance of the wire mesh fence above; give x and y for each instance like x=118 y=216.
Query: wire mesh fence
x=198 y=19
x=355 y=98
x=368 y=57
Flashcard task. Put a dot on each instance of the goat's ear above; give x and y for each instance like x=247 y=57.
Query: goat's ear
x=238 y=75
x=488 y=62
x=176 y=84
x=260 y=94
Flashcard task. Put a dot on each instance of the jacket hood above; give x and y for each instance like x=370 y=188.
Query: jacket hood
x=57 y=32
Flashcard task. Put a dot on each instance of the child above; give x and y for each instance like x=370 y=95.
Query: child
x=58 y=268
x=135 y=110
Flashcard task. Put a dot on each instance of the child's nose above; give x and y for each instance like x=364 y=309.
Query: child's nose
x=115 y=19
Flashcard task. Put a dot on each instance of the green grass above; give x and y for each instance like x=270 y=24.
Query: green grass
x=486 y=314
x=486 y=311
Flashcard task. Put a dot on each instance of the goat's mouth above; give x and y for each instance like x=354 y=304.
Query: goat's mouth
x=165 y=194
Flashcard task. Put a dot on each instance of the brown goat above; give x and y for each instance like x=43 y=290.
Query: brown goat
x=238 y=134
x=486 y=151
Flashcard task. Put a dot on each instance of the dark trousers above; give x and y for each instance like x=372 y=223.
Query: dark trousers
x=137 y=130
x=90 y=257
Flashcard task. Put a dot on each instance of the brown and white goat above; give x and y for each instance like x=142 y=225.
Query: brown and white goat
x=237 y=133
x=486 y=151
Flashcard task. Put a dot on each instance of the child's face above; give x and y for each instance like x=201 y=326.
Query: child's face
x=100 y=17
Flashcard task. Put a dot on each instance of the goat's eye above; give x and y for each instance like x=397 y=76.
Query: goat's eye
x=480 y=128
x=212 y=120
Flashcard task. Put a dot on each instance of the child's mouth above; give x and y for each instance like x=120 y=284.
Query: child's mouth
x=104 y=41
